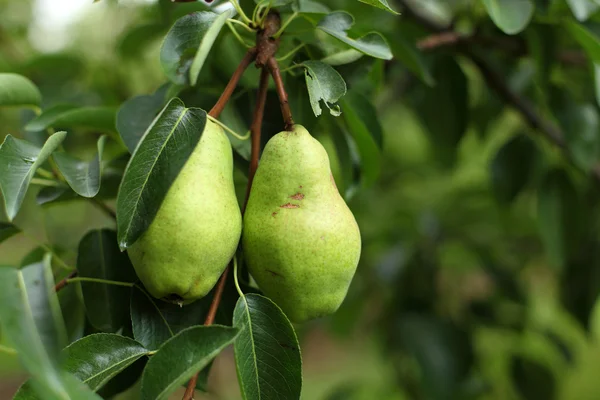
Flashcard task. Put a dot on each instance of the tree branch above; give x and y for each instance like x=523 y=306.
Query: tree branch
x=63 y=283
x=235 y=78
x=500 y=86
x=283 y=97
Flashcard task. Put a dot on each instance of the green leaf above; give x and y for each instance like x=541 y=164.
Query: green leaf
x=382 y=4
x=586 y=38
x=581 y=126
x=68 y=116
x=95 y=359
x=18 y=161
x=309 y=7
x=512 y=167
x=187 y=44
x=583 y=9
x=323 y=83
x=407 y=53
x=74 y=388
x=444 y=108
x=30 y=319
x=558 y=217
x=136 y=115
x=155 y=164
x=342 y=57
x=362 y=124
x=137 y=39
x=18 y=91
x=511 y=16
x=82 y=176
x=267 y=352
x=99 y=257
x=7 y=230
x=208 y=39
x=373 y=44
x=167 y=369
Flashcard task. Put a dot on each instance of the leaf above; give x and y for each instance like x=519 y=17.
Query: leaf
x=7 y=230
x=155 y=164
x=512 y=167
x=97 y=358
x=30 y=319
x=444 y=108
x=511 y=16
x=136 y=114
x=363 y=126
x=99 y=257
x=582 y=124
x=18 y=91
x=167 y=369
x=323 y=83
x=67 y=116
x=18 y=161
x=342 y=57
x=206 y=44
x=558 y=215
x=583 y=9
x=406 y=52
x=187 y=44
x=267 y=352
x=74 y=389
x=382 y=4
x=588 y=40
x=373 y=44
x=82 y=176
x=309 y=7
x=137 y=39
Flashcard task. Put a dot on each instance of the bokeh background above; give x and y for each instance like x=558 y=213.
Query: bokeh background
x=457 y=295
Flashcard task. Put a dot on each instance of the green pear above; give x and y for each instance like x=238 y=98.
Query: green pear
x=301 y=242
x=197 y=228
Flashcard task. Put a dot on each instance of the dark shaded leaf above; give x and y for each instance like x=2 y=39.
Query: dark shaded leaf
x=512 y=167
x=66 y=116
x=99 y=257
x=7 y=230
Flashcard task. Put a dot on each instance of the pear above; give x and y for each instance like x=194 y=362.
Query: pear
x=197 y=228
x=301 y=242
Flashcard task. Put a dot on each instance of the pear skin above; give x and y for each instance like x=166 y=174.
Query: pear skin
x=301 y=242
x=197 y=228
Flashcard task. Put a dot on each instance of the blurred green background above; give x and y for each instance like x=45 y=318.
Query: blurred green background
x=457 y=295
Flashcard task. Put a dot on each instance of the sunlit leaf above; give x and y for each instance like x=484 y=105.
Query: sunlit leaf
x=18 y=91
x=324 y=84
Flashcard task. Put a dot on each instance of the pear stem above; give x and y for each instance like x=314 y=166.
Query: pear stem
x=235 y=78
x=61 y=285
x=286 y=111
x=256 y=128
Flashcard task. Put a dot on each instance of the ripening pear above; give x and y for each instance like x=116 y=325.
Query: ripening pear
x=195 y=233
x=301 y=242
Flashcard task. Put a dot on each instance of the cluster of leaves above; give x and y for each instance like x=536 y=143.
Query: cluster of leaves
x=148 y=139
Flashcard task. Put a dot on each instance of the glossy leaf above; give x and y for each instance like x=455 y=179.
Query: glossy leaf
x=267 y=353
x=187 y=45
x=18 y=161
x=382 y=4
x=558 y=217
x=512 y=167
x=18 y=91
x=155 y=164
x=511 y=16
x=373 y=44
x=7 y=230
x=362 y=124
x=342 y=57
x=324 y=84
x=99 y=257
x=67 y=116
x=30 y=318
x=136 y=115
x=73 y=389
x=95 y=359
x=82 y=176
x=167 y=369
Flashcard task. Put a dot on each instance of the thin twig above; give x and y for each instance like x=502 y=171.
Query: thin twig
x=235 y=78
x=61 y=285
x=256 y=128
x=500 y=86
x=283 y=97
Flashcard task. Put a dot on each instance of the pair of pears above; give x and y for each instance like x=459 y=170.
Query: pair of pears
x=301 y=242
